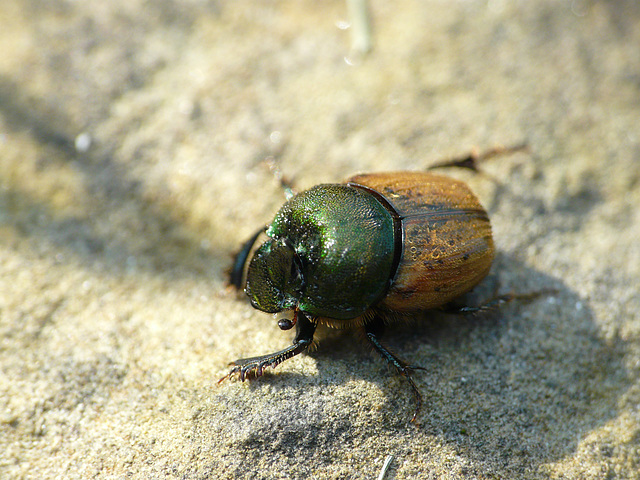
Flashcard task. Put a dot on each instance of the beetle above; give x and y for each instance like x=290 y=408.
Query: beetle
x=365 y=253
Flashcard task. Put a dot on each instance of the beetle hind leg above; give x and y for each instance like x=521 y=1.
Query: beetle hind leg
x=473 y=159
x=373 y=331
x=497 y=301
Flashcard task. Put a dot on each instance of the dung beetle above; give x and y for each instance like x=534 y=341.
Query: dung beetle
x=376 y=249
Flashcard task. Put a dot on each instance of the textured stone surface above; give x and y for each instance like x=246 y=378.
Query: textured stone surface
x=132 y=141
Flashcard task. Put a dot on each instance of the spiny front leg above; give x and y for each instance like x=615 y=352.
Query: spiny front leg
x=255 y=366
x=373 y=331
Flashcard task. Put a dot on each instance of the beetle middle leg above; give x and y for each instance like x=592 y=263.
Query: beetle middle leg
x=373 y=331
x=255 y=366
x=285 y=183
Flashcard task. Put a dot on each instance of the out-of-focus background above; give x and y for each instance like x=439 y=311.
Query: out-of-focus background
x=134 y=138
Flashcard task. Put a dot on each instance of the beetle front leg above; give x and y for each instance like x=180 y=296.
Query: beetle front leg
x=373 y=330
x=254 y=366
x=236 y=272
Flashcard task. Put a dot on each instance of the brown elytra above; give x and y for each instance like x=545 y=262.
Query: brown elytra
x=447 y=246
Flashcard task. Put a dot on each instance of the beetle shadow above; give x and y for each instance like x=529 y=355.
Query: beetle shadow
x=510 y=389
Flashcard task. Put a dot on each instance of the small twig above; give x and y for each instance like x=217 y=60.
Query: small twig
x=385 y=467
x=360 y=26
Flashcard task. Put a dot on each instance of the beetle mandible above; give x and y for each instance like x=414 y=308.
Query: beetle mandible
x=365 y=253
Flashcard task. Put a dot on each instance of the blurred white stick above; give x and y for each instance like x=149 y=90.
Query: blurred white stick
x=360 y=26
x=385 y=467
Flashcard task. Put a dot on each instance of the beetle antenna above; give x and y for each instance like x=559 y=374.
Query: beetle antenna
x=288 y=324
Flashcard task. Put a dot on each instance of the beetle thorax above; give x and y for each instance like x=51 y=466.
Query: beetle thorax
x=330 y=254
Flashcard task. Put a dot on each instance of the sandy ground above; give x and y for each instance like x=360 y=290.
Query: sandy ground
x=133 y=140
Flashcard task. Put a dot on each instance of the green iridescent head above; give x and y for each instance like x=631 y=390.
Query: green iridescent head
x=329 y=254
x=274 y=278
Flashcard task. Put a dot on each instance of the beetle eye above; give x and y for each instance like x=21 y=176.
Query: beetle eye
x=295 y=281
